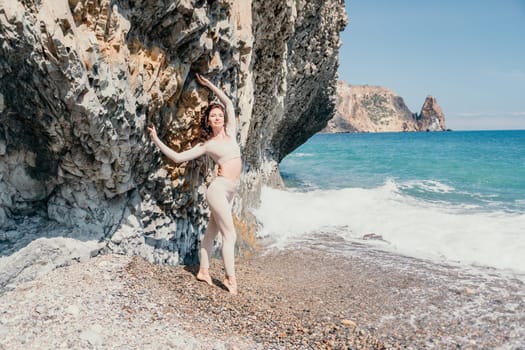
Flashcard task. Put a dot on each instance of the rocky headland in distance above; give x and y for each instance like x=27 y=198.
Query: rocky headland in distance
x=365 y=108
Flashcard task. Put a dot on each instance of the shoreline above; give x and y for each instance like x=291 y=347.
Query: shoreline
x=307 y=297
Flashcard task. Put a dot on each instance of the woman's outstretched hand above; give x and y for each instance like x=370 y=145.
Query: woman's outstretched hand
x=152 y=132
x=203 y=81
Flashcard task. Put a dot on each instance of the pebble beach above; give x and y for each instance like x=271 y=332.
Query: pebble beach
x=308 y=297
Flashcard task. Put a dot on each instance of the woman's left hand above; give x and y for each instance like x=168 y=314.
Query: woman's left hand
x=152 y=132
x=203 y=81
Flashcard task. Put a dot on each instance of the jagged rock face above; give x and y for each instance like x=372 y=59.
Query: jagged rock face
x=295 y=72
x=80 y=80
x=364 y=108
x=431 y=117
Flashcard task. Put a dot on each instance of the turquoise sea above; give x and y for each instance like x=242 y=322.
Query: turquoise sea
x=456 y=196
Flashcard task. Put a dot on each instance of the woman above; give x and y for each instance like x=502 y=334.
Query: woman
x=222 y=146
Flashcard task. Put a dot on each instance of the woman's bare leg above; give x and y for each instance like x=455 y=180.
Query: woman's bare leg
x=220 y=195
x=229 y=237
x=206 y=251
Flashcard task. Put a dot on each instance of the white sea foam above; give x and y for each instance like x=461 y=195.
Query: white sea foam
x=302 y=154
x=430 y=186
x=410 y=226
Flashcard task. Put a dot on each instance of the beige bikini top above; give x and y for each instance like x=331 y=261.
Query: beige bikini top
x=223 y=151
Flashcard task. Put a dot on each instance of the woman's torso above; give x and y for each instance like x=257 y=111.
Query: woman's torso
x=226 y=152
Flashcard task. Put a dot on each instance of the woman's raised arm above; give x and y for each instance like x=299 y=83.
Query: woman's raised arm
x=231 y=126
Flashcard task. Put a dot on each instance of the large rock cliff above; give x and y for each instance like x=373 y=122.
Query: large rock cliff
x=364 y=108
x=80 y=80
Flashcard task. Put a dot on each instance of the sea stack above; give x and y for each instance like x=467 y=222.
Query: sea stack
x=431 y=117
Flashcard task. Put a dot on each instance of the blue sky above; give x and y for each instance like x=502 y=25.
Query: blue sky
x=468 y=54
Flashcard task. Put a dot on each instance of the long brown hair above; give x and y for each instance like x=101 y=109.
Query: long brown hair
x=206 y=131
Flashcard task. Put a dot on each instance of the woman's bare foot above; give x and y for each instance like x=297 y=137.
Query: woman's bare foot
x=204 y=275
x=230 y=282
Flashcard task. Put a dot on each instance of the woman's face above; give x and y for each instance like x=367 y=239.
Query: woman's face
x=216 y=118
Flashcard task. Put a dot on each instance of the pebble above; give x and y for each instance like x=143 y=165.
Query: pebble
x=73 y=310
x=469 y=291
x=92 y=337
x=349 y=323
